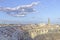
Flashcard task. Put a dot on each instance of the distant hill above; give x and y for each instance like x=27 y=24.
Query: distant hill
x=9 y=22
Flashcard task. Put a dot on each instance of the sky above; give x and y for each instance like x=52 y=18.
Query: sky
x=46 y=9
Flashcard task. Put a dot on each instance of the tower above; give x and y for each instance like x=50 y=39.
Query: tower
x=48 y=21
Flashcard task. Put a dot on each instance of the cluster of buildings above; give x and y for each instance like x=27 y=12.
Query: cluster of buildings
x=37 y=29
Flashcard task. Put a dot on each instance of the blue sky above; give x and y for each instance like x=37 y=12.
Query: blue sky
x=47 y=9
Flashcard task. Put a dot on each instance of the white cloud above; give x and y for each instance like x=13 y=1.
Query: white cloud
x=20 y=9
